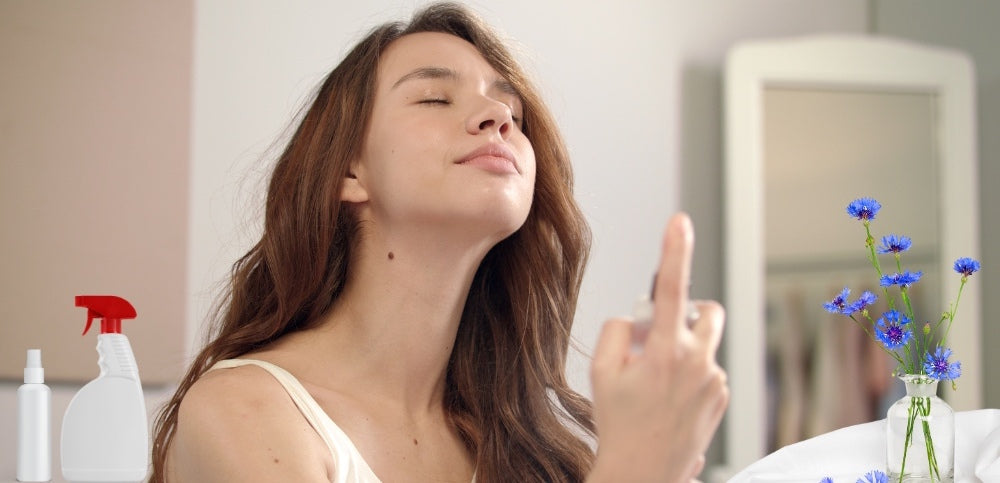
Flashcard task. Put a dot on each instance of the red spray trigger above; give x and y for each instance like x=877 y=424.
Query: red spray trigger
x=109 y=308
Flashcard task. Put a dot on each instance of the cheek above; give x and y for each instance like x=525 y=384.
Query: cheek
x=531 y=163
x=407 y=138
x=533 y=173
x=401 y=164
x=386 y=151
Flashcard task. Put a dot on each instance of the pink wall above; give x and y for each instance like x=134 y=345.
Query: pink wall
x=95 y=107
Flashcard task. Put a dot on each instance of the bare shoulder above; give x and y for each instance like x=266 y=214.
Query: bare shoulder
x=239 y=424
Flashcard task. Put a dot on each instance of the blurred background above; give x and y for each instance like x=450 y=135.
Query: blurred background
x=136 y=138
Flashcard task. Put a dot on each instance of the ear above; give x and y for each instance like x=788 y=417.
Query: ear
x=353 y=189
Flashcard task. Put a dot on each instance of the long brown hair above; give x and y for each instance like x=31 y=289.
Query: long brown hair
x=506 y=391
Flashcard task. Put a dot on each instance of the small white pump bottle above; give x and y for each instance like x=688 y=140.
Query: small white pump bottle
x=34 y=409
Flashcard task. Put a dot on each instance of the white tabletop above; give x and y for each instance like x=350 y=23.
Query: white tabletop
x=847 y=454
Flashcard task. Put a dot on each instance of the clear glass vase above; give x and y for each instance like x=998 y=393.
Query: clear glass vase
x=920 y=434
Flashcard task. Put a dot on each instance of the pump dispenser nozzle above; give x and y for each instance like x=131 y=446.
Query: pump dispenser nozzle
x=109 y=308
x=34 y=373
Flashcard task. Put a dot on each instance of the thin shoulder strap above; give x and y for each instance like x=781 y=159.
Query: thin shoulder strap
x=349 y=463
x=307 y=405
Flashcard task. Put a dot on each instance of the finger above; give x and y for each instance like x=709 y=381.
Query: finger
x=715 y=399
x=612 y=350
x=722 y=404
x=699 y=465
x=710 y=324
x=670 y=299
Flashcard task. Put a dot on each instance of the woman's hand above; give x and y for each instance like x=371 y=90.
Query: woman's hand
x=656 y=410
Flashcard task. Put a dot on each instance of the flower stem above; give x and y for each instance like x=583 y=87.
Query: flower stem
x=872 y=257
x=909 y=313
x=932 y=464
x=911 y=416
x=870 y=243
x=951 y=314
x=908 y=366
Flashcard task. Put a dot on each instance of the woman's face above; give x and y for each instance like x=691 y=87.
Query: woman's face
x=444 y=145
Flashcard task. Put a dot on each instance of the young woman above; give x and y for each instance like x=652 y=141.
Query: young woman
x=406 y=314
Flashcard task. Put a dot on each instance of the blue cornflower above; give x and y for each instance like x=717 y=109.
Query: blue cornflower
x=893 y=334
x=966 y=266
x=839 y=303
x=938 y=367
x=904 y=279
x=864 y=208
x=895 y=244
x=867 y=298
x=874 y=477
x=826 y=480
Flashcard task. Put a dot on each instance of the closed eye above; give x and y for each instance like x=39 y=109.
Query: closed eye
x=435 y=101
x=518 y=120
x=514 y=117
x=514 y=108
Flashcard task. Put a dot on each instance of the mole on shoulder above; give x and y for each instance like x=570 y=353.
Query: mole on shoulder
x=414 y=441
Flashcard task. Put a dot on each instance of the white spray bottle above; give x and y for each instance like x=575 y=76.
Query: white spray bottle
x=104 y=431
x=34 y=403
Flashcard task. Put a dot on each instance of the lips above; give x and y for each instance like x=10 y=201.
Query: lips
x=492 y=157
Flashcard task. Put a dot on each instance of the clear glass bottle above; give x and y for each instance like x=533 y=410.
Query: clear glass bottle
x=920 y=434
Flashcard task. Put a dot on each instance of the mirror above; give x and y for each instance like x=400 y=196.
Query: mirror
x=811 y=124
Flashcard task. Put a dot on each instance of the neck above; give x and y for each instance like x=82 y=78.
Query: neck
x=392 y=330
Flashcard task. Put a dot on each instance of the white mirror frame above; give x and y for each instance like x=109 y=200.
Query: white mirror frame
x=853 y=62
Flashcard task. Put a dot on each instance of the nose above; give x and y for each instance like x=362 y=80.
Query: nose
x=490 y=115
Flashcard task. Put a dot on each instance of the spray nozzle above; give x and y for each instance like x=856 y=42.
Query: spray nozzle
x=33 y=371
x=34 y=359
x=109 y=308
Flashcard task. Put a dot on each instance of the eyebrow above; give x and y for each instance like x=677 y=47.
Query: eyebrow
x=505 y=86
x=428 y=73
x=431 y=72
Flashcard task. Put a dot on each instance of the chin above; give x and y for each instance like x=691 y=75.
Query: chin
x=502 y=225
x=494 y=221
x=511 y=228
